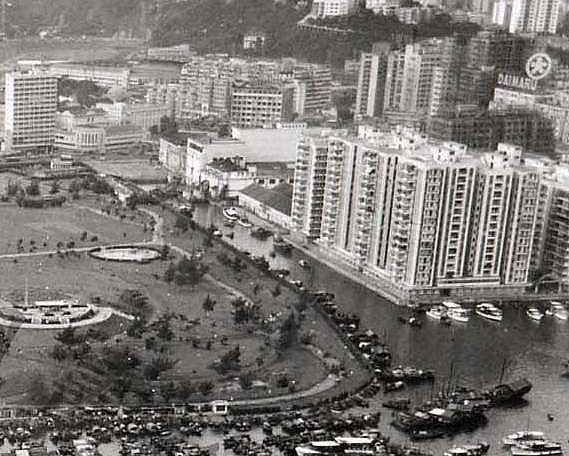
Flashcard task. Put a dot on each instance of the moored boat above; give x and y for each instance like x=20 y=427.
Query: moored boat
x=537 y=448
x=557 y=310
x=534 y=313
x=244 y=222
x=456 y=312
x=230 y=213
x=469 y=450
x=489 y=311
x=521 y=436
x=437 y=313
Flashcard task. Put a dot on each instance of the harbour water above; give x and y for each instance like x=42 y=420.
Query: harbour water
x=480 y=350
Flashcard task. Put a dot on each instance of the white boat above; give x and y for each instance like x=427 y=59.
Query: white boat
x=534 y=313
x=437 y=313
x=468 y=450
x=521 y=436
x=557 y=310
x=230 y=213
x=456 y=312
x=537 y=448
x=489 y=311
x=244 y=222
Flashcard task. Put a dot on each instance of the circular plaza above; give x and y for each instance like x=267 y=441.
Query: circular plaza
x=37 y=310
x=128 y=254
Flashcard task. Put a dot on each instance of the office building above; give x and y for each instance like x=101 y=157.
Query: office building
x=534 y=16
x=371 y=81
x=30 y=109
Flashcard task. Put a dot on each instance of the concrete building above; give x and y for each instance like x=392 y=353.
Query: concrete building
x=486 y=129
x=180 y=53
x=173 y=157
x=403 y=213
x=309 y=183
x=410 y=77
x=501 y=13
x=30 y=108
x=273 y=205
x=325 y=8
x=258 y=105
x=101 y=75
x=534 y=16
x=254 y=40
x=371 y=81
x=98 y=139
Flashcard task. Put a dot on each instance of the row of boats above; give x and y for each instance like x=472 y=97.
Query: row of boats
x=556 y=309
x=449 y=310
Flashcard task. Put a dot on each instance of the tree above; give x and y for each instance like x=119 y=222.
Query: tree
x=59 y=352
x=55 y=187
x=189 y=272
x=246 y=381
x=69 y=338
x=230 y=360
x=182 y=222
x=205 y=388
x=208 y=304
x=170 y=273
x=288 y=332
x=33 y=189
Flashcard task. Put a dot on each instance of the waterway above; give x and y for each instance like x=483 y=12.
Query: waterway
x=477 y=349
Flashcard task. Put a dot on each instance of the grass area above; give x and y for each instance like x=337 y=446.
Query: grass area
x=43 y=229
x=197 y=339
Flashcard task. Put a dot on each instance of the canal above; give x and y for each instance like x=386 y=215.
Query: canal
x=479 y=350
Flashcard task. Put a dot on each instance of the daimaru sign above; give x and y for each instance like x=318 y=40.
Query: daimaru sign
x=516 y=81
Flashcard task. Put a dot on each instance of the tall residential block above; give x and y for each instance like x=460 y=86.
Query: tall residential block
x=421 y=216
x=534 y=16
x=30 y=109
x=372 y=73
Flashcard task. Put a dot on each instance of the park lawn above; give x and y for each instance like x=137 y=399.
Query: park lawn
x=86 y=277
x=64 y=224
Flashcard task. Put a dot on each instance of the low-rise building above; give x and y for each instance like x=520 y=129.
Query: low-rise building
x=104 y=76
x=273 y=205
x=99 y=139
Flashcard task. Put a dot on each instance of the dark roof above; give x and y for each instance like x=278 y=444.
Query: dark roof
x=278 y=197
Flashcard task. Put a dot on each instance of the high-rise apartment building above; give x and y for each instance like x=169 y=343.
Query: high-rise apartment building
x=486 y=129
x=309 y=182
x=534 y=16
x=259 y=105
x=30 y=109
x=410 y=77
x=371 y=81
x=502 y=13
x=422 y=216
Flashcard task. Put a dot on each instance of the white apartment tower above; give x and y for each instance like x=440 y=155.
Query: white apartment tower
x=423 y=216
x=30 y=109
x=534 y=16
x=502 y=13
x=409 y=77
x=309 y=183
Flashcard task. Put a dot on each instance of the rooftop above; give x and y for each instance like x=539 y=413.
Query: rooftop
x=278 y=197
